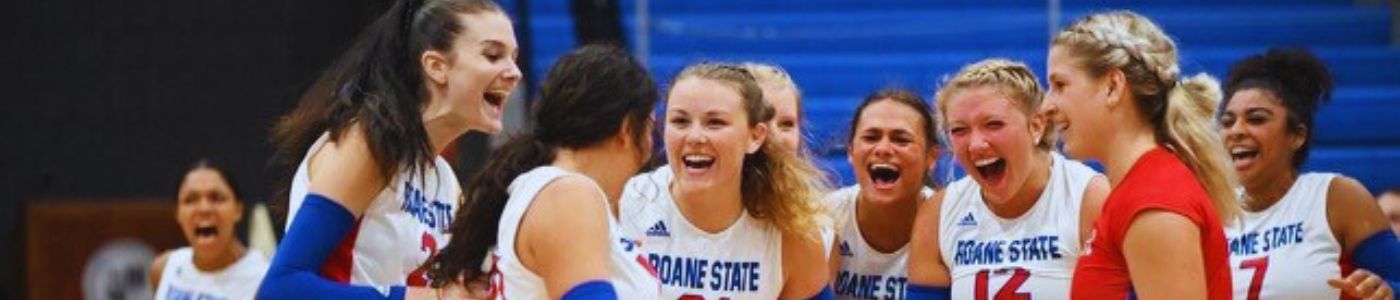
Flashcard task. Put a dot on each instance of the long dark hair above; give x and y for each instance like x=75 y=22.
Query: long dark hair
x=378 y=85
x=584 y=100
x=1296 y=77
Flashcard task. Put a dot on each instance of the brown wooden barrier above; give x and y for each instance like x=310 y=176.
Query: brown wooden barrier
x=61 y=237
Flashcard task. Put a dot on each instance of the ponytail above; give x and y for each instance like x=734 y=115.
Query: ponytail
x=478 y=219
x=1188 y=127
x=586 y=98
x=1181 y=111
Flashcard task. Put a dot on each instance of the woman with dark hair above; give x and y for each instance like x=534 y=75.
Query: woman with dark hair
x=547 y=200
x=370 y=199
x=892 y=144
x=216 y=265
x=1299 y=232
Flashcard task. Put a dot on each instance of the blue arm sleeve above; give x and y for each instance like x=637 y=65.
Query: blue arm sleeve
x=591 y=290
x=1378 y=254
x=318 y=228
x=825 y=294
x=925 y=292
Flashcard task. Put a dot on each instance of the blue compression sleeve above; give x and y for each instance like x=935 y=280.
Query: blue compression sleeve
x=591 y=290
x=318 y=228
x=926 y=292
x=1378 y=254
x=825 y=294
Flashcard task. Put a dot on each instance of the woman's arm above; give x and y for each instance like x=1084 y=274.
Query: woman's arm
x=1362 y=229
x=564 y=238
x=1156 y=274
x=928 y=276
x=806 y=271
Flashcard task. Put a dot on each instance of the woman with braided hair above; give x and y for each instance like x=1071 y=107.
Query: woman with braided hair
x=369 y=198
x=1116 y=96
x=1019 y=195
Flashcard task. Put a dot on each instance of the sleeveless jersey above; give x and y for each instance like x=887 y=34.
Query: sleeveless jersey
x=1033 y=255
x=865 y=273
x=403 y=226
x=743 y=261
x=1287 y=251
x=510 y=279
x=1158 y=180
x=181 y=280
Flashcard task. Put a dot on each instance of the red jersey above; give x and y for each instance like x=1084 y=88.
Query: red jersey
x=1158 y=180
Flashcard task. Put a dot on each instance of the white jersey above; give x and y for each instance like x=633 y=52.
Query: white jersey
x=1032 y=255
x=742 y=262
x=403 y=226
x=181 y=280
x=1287 y=251
x=510 y=279
x=865 y=273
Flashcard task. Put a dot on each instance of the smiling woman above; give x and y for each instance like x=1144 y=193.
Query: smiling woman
x=734 y=215
x=1043 y=203
x=216 y=265
x=369 y=199
x=1302 y=224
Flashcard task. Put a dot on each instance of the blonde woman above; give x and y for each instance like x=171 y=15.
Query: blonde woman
x=732 y=216
x=1022 y=201
x=1117 y=96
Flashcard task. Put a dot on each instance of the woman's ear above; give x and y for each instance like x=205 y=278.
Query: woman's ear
x=757 y=137
x=435 y=65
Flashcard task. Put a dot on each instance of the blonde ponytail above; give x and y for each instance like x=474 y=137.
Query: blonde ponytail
x=1188 y=127
x=1181 y=111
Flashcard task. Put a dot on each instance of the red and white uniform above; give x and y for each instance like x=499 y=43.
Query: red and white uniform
x=181 y=280
x=628 y=270
x=744 y=261
x=1030 y=256
x=866 y=273
x=404 y=225
x=1287 y=251
x=1157 y=181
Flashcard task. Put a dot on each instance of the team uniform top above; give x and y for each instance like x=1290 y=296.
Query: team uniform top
x=181 y=280
x=1157 y=181
x=743 y=261
x=865 y=273
x=510 y=279
x=1032 y=255
x=1287 y=251
x=403 y=226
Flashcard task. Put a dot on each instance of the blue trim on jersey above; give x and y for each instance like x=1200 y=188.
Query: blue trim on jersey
x=825 y=294
x=927 y=292
x=591 y=290
x=1377 y=254
x=317 y=229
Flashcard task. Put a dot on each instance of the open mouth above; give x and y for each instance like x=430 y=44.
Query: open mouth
x=1243 y=157
x=697 y=162
x=991 y=169
x=883 y=175
x=495 y=98
x=205 y=231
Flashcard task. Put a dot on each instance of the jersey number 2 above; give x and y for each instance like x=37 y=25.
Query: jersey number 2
x=1007 y=290
x=417 y=278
